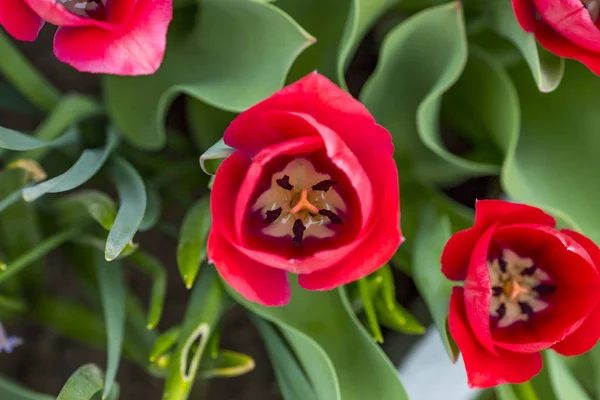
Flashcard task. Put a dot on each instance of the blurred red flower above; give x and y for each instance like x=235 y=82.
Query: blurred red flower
x=567 y=28
x=311 y=189
x=119 y=37
x=527 y=287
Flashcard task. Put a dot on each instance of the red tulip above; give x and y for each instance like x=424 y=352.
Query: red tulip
x=527 y=287
x=311 y=189
x=567 y=28
x=120 y=37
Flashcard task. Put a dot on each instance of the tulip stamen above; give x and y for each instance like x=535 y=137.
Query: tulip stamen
x=95 y=9
x=285 y=182
x=333 y=217
x=272 y=215
x=324 y=185
x=298 y=230
x=519 y=289
x=304 y=204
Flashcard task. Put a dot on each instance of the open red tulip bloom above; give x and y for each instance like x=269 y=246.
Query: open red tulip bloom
x=119 y=37
x=527 y=287
x=568 y=28
x=311 y=189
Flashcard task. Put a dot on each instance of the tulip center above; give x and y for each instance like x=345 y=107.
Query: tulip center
x=520 y=289
x=301 y=202
x=593 y=7
x=95 y=9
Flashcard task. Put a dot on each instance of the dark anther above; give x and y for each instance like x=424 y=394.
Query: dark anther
x=502 y=264
x=285 y=183
x=333 y=217
x=298 y=230
x=324 y=185
x=529 y=271
x=501 y=310
x=497 y=291
x=544 y=289
x=272 y=215
x=526 y=309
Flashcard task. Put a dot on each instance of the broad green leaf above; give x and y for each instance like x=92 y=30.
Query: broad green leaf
x=206 y=306
x=395 y=97
x=74 y=207
x=293 y=383
x=207 y=125
x=217 y=152
x=153 y=209
x=354 y=368
x=152 y=266
x=237 y=54
x=112 y=293
x=563 y=382
x=369 y=309
x=228 y=364
x=165 y=342
x=17 y=141
x=544 y=166
x=191 y=249
x=83 y=384
x=132 y=196
x=12 y=391
x=547 y=69
x=433 y=286
x=594 y=356
x=362 y=15
x=88 y=164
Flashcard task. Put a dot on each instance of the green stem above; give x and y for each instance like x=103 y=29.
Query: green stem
x=25 y=78
x=525 y=391
x=28 y=258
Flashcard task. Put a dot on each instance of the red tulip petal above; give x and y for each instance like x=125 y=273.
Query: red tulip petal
x=571 y=270
x=226 y=186
x=456 y=254
x=54 y=12
x=485 y=369
x=478 y=291
x=571 y=20
x=525 y=11
x=318 y=97
x=381 y=240
x=137 y=47
x=586 y=337
x=251 y=279
x=19 y=20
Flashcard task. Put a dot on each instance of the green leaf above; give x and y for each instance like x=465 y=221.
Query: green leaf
x=547 y=69
x=398 y=318
x=191 y=248
x=206 y=306
x=165 y=342
x=394 y=96
x=293 y=383
x=74 y=207
x=158 y=272
x=354 y=368
x=217 y=152
x=362 y=15
x=433 y=286
x=237 y=54
x=563 y=383
x=369 y=308
x=132 y=195
x=88 y=164
x=28 y=259
x=228 y=364
x=17 y=141
x=207 y=125
x=546 y=168
x=153 y=209
x=112 y=293
x=12 y=391
x=505 y=392
x=83 y=384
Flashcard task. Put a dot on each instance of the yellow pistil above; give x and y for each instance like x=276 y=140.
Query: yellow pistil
x=513 y=290
x=304 y=204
